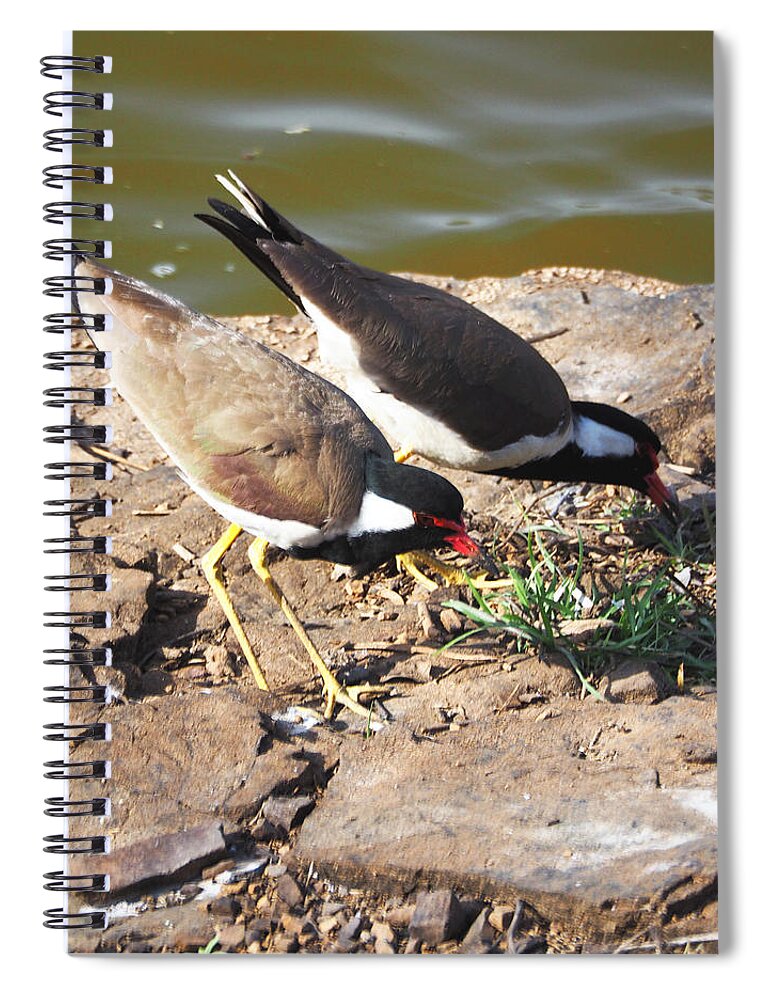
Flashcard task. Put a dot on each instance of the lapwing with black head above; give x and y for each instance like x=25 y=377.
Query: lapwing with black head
x=278 y=451
x=442 y=378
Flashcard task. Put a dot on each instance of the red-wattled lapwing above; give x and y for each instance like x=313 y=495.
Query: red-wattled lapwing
x=278 y=451
x=442 y=378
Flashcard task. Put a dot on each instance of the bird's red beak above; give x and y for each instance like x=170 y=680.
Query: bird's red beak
x=662 y=496
x=658 y=492
x=459 y=539
x=463 y=543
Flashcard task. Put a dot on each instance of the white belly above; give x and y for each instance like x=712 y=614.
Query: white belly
x=376 y=514
x=408 y=427
x=284 y=534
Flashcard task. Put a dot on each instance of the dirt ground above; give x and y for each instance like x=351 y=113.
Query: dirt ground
x=489 y=803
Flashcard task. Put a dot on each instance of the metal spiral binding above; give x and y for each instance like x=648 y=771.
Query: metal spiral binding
x=59 y=361
x=57 y=138
x=65 y=284
x=58 y=101
x=57 y=176
x=54 y=66
x=58 y=211
x=79 y=652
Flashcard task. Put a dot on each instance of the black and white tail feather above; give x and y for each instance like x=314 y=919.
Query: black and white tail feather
x=267 y=226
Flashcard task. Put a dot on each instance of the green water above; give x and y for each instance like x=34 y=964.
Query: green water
x=439 y=152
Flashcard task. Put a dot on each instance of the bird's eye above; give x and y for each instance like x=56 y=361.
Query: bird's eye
x=424 y=520
x=646 y=450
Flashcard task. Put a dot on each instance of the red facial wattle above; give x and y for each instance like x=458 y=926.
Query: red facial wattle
x=458 y=537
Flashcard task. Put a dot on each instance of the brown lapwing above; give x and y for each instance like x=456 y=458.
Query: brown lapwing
x=279 y=452
x=442 y=378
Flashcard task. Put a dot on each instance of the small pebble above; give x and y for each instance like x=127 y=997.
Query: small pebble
x=382 y=931
x=285 y=944
x=500 y=917
x=400 y=916
x=438 y=916
x=232 y=937
x=327 y=924
x=289 y=890
x=225 y=906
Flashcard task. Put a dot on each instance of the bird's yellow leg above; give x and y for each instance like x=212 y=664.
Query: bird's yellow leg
x=335 y=692
x=403 y=454
x=211 y=565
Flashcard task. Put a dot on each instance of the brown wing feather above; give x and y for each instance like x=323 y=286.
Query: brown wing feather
x=429 y=348
x=240 y=420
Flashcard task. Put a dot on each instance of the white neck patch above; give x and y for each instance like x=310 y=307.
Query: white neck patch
x=599 y=441
x=379 y=514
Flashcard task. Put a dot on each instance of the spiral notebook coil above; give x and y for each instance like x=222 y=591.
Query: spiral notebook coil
x=57 y=138
x=78 y=470
x=69 y=322
x=79 y=653
x=57 y=102
x=80 y=508
x=58 y=211
x=87 y=434
x=94 y=544
x=74 y=657
x=55 y=66
x=61 y=285
x=66 y=396
x=61 y=882
x=62 y=694
x=60 y=361
x=58 y=806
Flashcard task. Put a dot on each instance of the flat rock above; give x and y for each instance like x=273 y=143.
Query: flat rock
x=171 y=856
x=128 y=600
x=231 y=938
x=206 y=762
x=598 y=819
x=188 y=927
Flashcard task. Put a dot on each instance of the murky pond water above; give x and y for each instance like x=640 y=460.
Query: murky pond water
x=437 y=152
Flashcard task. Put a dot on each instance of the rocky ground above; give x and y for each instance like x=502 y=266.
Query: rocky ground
x=490 y=802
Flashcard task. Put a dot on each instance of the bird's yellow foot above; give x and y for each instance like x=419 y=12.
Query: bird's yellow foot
x=348 y=696
x=453 y=575
x=334 y=692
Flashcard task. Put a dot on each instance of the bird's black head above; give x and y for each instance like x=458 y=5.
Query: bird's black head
x=607 y=446
x=403 y=508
